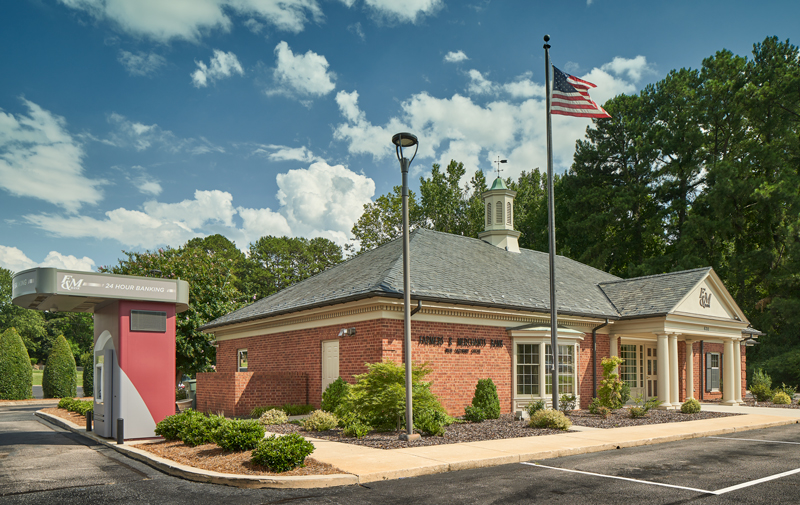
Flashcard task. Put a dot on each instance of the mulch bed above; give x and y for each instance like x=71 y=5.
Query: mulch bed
x=493 y=429
x=214 y=458
x=65 y=414
x=751 y=402
x=620 y=418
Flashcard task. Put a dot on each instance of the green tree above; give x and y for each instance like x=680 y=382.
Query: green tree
x=16 y=373
x=382 y=221
x=30 y=324
x=275 y=263
x=211 y=295
x=221 y=248
x=60 y=377
x=87 y=362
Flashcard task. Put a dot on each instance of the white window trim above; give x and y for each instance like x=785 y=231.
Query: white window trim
x=520 y=400
x=239 y=362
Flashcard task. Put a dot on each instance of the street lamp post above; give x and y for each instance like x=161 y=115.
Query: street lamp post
x=400 y=141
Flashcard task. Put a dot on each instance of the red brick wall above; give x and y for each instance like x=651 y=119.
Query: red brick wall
x=455 y=375
x=284 y=367
x=585 y=365
x=699 y=364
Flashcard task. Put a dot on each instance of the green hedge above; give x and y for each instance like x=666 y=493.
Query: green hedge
x=87 y=362
x=60 y=378
x=16 y=373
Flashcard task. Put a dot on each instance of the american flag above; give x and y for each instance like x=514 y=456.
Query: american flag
x=571 y=97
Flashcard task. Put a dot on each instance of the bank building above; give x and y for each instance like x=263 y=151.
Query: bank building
x=481 y=309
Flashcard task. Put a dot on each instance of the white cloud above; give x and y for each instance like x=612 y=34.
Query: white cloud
x=15 y=260
x=455 y=57
x=254 y=26
x=320 y=200
x=144 y=182
x=632 y=69
x=191 y=19
x=409 y=11
x=286 y=153
x=356 y=28
x=141 y=63
x=40 y=159
x=127 y=133
x=472 y=131
x=323 y=198
x=222 y=65
x=302 y=75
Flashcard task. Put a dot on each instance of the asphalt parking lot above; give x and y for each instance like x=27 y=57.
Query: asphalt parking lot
x=39 y=463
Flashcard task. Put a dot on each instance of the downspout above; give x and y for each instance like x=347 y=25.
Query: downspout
x=594 y=358
x=417 y=308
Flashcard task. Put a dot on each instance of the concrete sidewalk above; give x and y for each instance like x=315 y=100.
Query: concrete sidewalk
x=365 y=464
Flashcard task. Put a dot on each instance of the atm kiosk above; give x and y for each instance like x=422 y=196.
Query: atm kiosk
x=134 y=339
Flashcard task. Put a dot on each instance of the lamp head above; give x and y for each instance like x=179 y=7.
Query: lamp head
x=401 y=140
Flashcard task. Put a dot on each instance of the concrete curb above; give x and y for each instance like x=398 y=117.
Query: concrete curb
x=369 y=465
x=198 y=475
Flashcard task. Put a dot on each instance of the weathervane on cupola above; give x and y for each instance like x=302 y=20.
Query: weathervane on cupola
x=499 y=161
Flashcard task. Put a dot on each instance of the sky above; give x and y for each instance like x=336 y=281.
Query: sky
x=138 y=124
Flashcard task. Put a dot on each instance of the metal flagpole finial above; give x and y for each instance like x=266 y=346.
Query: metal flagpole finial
x=498 y=165
x=546 y=40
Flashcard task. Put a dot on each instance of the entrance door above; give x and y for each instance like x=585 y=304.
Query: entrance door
x=330 y=362
x=651 y=371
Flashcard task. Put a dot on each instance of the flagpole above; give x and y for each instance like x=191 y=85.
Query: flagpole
x=551 y=227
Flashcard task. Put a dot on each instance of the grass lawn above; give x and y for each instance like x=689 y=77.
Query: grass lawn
x=37 y=378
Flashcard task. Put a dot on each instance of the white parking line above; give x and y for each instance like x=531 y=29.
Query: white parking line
x=703 y=491
x=622 y=478
x=757 y=440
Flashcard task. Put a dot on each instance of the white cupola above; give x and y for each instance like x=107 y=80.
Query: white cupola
x=498 y=205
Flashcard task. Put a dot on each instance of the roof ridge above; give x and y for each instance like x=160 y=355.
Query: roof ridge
x=655 y=275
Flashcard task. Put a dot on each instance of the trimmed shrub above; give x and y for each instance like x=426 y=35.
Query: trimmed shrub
x=297 y=410
x=87 y=362
x=690 y=406
x=66 y=403
x=199 y=429
x=761 y=392
x=273 y=416
x=170 y=426
x=319 y=420
x=611 y=392
x=642 y=407
x=379 y=396
x=60 y=377
x=281 y=454
x=534 y=407
x=789 y=390
x=431 y=422
x=550 y=418
x=566 y=403
x=356 y=429
x=474 y=414
x=781 y=398
x=239 y=435
x=334 y=394
x=81 y=407
x=257 y=412
x=486 y=398
x=597 y=409
x=16 y=372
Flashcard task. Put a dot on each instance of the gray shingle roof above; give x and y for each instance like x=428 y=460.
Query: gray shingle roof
x=653 y=294
x=449 y=268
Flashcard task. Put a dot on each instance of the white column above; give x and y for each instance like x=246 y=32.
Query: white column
x=674 y=376
x=663 y=372
x=614 y=350
x=728 y=386
x=542 y=372
x=689 y=369
x=737 y=370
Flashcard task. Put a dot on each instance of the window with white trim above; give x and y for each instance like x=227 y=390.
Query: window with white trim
x=628 y=370
x=527 y=369
x=566 y=369
x=241 y=360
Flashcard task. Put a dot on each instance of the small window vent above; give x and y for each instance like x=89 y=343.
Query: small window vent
x=149 y=320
